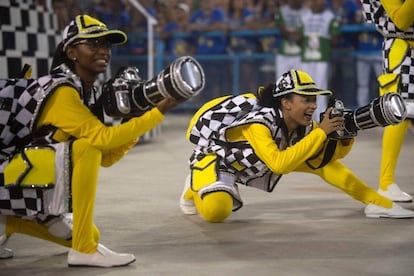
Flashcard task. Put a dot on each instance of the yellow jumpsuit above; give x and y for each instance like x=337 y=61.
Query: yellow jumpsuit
x=95 y=145
x=217 y=206
x=402 y=14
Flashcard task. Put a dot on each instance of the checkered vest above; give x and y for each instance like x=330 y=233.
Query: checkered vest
x=209 y=134
x=21 y=103
x=374 y=13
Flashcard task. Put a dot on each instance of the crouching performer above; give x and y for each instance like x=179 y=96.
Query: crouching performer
x=54 y=140
x=253 y=140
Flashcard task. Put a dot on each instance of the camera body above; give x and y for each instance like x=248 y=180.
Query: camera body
x=127 y=95
x=388 y=109
x=338 y=110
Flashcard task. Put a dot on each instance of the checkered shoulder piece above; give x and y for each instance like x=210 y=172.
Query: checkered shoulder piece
x=211 y=121
x=21 y=102
x=263 y=115
x=374 y=13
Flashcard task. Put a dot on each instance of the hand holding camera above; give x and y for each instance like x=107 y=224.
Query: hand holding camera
x=388 y=109
x=168 y=103
x=332 y=122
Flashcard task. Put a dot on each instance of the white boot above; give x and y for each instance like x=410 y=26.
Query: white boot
x=5 y=253
x=103 y=257
x=394 y=193
x=396 y=211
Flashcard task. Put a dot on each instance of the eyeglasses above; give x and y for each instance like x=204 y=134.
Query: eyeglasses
x=94 y=44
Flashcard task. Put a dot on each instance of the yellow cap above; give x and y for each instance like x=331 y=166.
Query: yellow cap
x=85 y=26
x=299 y=82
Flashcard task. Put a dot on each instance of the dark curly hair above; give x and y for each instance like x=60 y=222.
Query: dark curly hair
x=266 y=98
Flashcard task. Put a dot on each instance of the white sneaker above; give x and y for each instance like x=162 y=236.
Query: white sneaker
x=394 y=193
x=61 y=226
x=187 y=205
x=103 y=257
x=5 y=253
x=396 y=211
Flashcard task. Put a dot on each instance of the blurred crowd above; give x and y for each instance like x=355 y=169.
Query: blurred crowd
x=189 y=16
x=191 y=27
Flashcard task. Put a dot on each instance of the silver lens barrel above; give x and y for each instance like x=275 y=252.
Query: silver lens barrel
x=128 y=95
x=183 y=79
x=388 y=109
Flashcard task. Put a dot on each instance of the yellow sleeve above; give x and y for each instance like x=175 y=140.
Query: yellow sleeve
x=400 y=12
x=279 y=161
x=342 y=150
x=112 y=156
x=66 y=111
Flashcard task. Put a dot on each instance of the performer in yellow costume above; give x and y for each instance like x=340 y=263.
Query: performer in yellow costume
x=253 y=140
x=394 y=19
x=70 y=127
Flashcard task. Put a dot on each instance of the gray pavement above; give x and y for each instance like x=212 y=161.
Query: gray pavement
x=305 y=227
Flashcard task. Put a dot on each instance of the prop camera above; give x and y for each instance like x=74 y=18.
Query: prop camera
x=409 y=104
x=388 y=109
x=127 y=95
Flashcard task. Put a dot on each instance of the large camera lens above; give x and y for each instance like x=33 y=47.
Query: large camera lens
x=128 y=95
x=388 y=109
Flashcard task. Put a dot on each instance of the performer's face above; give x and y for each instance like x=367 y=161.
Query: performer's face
x=298 y=110
x=91 y=55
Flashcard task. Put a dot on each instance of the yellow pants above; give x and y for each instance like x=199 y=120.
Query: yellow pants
x=337 y=175
x=392 y=141
x=86 y=161
x=217 y=206
x=393 y=136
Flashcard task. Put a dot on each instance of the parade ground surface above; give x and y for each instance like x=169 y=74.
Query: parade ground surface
x=305 y=227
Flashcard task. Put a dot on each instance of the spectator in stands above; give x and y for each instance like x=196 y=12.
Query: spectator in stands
x=73 y=8
x=189 y=3
x=210 y=18
x=368 y=63
x=137 y=44
x=164 y=11
x=224 y=5
x=289 y=22
x=265 y=14
x=343 y=78
x=241 y=18
x=61 y=12
x=174 y=32
x=320 y=30
x=116 y=14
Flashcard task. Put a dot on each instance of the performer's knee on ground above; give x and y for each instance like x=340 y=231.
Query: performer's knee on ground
x=217 y=206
